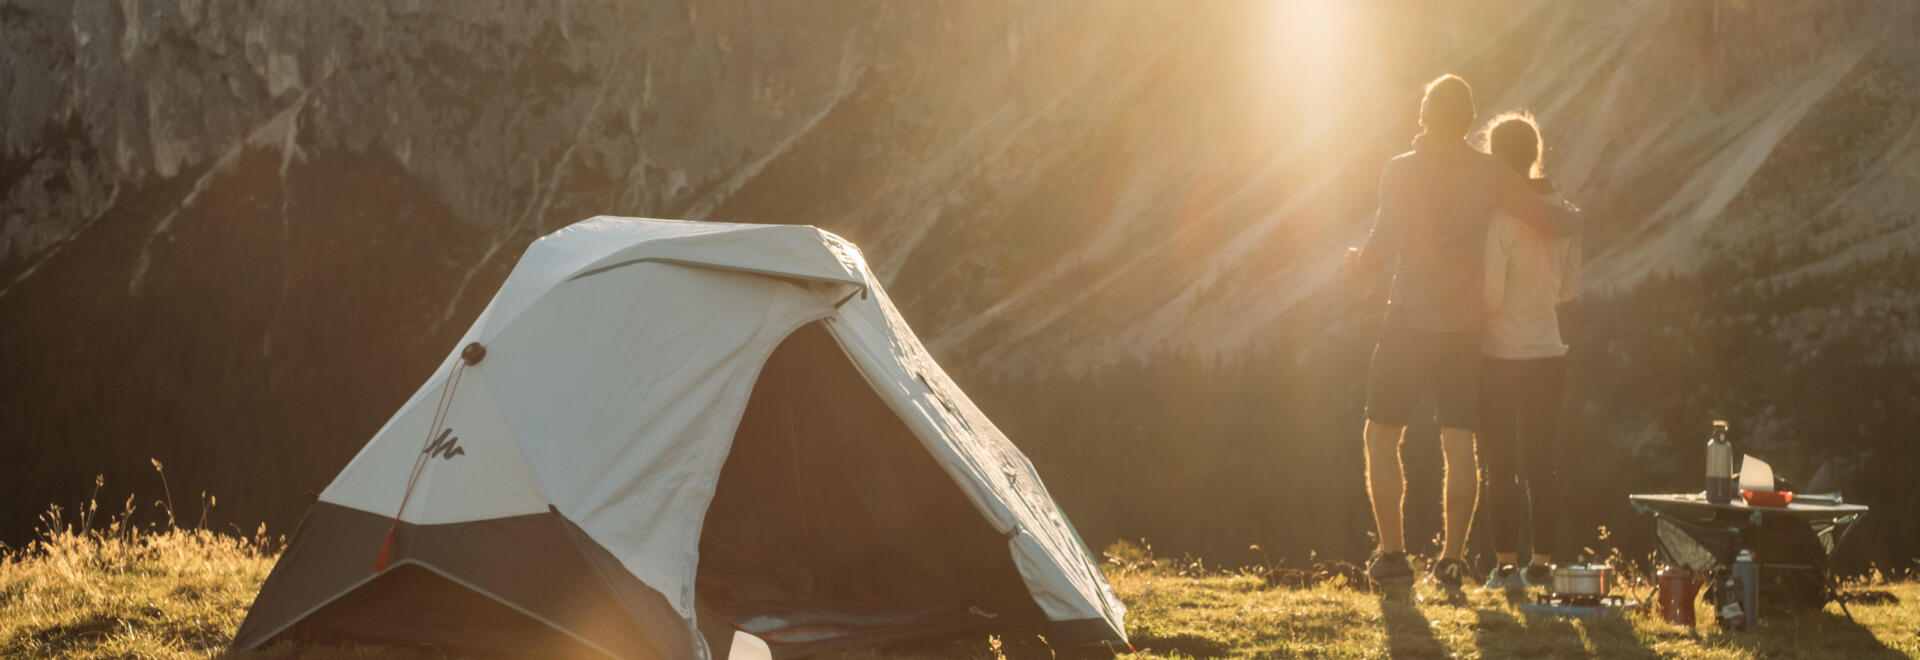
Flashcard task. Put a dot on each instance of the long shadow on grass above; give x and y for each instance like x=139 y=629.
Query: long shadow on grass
x=1613 y=636
x=1408 y=633
x=1498 y=634
x=1810 y=634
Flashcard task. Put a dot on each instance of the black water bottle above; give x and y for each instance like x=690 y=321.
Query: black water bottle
x=1720 y=485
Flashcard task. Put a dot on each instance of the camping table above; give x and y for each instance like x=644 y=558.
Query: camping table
x=1704 y=537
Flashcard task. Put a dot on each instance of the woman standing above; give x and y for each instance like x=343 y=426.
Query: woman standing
x=1522 y=363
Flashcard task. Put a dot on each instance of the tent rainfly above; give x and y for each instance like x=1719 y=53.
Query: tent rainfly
x=660 y=436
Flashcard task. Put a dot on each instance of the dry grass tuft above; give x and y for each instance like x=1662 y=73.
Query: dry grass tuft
x=92 y=588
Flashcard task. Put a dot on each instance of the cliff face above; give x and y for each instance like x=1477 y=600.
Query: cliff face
x=235 y=236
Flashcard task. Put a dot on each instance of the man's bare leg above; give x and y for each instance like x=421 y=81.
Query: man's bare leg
x=1462 y=489
x=1386 y=487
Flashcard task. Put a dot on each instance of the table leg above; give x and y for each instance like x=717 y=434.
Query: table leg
x=1833 y=583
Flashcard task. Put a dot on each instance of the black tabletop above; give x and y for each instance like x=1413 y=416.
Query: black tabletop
x=1697 y=504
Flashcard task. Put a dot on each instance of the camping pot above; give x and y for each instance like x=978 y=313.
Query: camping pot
x=1581 y=580
x=1678 y=588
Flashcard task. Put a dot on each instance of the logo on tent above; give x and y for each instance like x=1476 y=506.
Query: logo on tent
x=446 y=446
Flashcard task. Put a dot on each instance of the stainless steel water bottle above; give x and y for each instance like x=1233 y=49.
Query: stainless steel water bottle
x=1728 y=609
x=1748 y=574
x=1720 y=485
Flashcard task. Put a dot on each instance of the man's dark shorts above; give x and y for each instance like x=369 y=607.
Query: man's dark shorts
x=1408 y=361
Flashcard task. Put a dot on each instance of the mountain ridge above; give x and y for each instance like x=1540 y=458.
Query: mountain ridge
x=237 y=236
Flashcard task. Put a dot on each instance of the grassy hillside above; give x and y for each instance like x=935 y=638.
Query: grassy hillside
x=103 y=587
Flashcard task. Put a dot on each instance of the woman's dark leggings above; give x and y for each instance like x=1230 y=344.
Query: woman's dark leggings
x=1519 y=408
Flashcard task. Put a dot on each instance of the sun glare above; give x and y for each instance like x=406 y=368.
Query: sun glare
x=1310 y=51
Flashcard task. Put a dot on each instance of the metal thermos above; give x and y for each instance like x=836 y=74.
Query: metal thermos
x=1678 y=589
x=1720 y=485
x=1748 y=574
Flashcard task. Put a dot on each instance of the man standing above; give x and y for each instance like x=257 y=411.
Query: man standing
x=1435 y=203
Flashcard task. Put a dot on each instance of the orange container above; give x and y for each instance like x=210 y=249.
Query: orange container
x=1771 y=498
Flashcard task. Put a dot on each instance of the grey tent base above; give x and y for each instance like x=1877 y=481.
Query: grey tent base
x=524 y=586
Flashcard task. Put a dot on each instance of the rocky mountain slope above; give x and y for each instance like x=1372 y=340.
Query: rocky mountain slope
x=235 y=236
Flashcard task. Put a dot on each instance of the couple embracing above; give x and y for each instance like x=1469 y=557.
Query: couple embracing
x=1485 y=250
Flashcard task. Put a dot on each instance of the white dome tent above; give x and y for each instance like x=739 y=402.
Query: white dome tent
x=659 y=434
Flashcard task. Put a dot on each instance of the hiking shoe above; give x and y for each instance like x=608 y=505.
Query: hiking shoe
x=1538 y=575
x=1390 y=568
x=1507 y=577
x=1451 y=573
